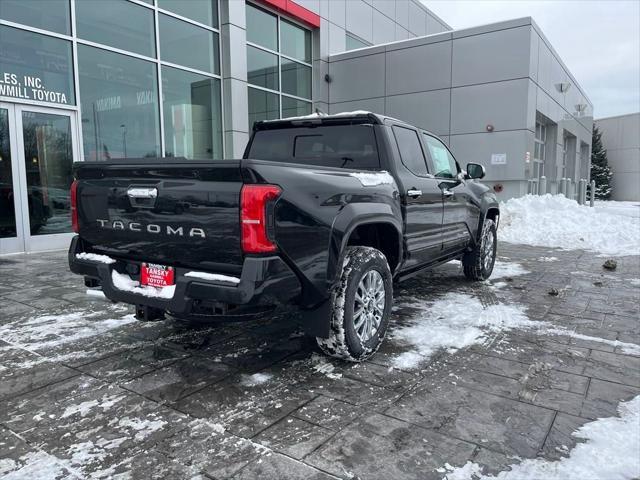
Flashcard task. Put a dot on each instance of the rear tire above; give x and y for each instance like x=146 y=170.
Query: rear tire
x=478 y=263
x=361 y=306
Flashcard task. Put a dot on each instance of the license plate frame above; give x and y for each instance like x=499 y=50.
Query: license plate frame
x=156 y=275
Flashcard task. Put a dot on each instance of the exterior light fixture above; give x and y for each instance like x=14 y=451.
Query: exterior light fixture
x=327 y=78
x=563 y=87
x=581 y=107
x=489 y=128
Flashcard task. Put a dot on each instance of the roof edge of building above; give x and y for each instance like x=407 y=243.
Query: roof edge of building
x=611 y=117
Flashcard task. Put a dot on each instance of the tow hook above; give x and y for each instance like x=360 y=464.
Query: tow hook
x=148 y=314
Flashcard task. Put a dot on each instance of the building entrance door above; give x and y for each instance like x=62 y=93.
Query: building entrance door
x=37 y=150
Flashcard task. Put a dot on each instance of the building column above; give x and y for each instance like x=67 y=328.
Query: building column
x=234 y=76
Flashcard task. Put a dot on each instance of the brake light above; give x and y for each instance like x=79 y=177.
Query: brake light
x=255 y=219
x=74 y=206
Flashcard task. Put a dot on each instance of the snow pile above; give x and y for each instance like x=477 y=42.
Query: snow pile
x=125 y=283
x=214 y=277
x=457 y=321
x=94 y=257
x=453 y=322
x=372 y=179
x=611 y=450
x=322 y=365
x=555 y=221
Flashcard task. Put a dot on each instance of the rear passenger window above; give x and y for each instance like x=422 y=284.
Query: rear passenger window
x=410 y=149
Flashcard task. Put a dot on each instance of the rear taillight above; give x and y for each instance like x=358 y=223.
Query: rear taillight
x=74 y=206
x=256 y=217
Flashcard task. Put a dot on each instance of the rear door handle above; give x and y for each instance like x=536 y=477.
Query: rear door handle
x=448 y=193
x=413 y=193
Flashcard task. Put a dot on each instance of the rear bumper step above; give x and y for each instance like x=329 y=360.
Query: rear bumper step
x=264 y=281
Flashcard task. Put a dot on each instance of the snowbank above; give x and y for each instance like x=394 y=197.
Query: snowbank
x=610 y=228
x=610 y=451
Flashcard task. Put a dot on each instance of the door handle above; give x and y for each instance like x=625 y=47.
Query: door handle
x=413 y=193
x=448 y=193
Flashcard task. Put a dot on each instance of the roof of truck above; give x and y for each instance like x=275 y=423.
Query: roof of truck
x=357 y=116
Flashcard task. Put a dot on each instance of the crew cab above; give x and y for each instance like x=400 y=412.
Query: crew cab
x=323 y=212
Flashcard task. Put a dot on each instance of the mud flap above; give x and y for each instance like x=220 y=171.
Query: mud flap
x=316 y=321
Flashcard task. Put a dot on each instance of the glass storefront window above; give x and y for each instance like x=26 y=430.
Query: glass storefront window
x=35 y=67
x=296 y=79
x=185 y=44
x=262 y=106
x=262 y=28
x=292 y=107
x=296 y=41
x=7 y=195
x=203 y=11
x=118 y=24
x=262 y=68
x=192 y=115
x=48 y=162
x=119 y=105
x=53 y=15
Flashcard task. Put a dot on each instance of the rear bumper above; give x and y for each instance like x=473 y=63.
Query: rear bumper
x=264 y=281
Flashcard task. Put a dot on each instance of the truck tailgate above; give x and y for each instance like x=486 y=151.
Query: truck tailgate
x=160 y=210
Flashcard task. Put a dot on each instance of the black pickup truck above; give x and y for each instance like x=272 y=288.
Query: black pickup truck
x=322 y=212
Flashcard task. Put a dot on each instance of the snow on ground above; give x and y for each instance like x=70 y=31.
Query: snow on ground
x=458 y=320
x=609 y=228
x=255 y=379
x=507 y=269
x=611 y=450
x=46 y=331
x=452 y=322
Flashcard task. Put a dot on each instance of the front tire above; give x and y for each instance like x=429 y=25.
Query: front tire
x=478 y=263
x=361 y=306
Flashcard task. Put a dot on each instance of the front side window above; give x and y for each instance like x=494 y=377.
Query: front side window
x=411 y=153
x=35 y=67
x=192 y=115
x=444 y=165
x=117 y=23
x=120 y=112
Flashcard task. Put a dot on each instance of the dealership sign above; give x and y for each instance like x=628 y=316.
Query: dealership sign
x=28 y=87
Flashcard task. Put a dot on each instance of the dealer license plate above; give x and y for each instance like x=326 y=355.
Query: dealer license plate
x=156 y=275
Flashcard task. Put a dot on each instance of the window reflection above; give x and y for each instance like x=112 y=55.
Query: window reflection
x=53 y=15
x=120 y=112
x=39 y=66
x=48 y=159
x=185 y=44
x=117 y=23
x=296 y=79
x=262 y=106
x=203 y=11
x=192 y=114
x=262 y=28
x=7 y=196
x=292 y=107
x=262 y=68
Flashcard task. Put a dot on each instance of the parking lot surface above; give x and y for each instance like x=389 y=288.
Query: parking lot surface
x=490 y=372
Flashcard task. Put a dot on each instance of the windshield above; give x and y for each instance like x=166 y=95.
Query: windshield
x=345 y=146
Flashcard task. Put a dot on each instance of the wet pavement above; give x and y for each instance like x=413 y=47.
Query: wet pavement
x=88 y=392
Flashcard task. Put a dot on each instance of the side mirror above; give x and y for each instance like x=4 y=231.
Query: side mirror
x=475 y=170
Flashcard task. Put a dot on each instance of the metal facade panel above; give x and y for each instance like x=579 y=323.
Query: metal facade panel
x=421 y=68
x=428 y=110
x=490 y=57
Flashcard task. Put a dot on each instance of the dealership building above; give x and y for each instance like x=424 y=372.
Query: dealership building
x=85 y=80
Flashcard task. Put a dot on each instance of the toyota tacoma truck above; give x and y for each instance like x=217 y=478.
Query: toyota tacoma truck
x=323 y=212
